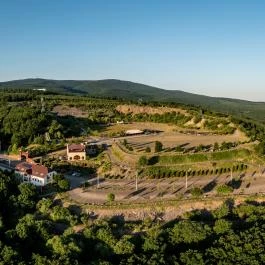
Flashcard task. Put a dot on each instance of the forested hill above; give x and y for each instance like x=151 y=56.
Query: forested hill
x=134 y=91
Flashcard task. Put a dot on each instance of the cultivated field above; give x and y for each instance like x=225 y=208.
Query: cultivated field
x=249 y=182
x=173 y=139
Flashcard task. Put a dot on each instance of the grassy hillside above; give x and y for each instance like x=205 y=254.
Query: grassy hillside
x=134 y=91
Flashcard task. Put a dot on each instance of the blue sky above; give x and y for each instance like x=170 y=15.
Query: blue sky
x=212 y=47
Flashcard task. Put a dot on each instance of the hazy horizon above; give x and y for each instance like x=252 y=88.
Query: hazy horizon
x=204 y=47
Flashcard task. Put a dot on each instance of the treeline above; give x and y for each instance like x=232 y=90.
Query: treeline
x=19 y=95
x=42 y=231
x=254 y=130
x=22 y=125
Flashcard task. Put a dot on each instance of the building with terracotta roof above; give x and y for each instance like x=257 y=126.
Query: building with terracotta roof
x=76 y=152
x=38 y=175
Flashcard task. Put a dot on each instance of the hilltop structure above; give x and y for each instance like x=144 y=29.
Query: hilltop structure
x=76 y=152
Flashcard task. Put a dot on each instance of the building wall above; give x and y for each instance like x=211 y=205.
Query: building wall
x=76 y=156
x=37 y=181
x=50 y=176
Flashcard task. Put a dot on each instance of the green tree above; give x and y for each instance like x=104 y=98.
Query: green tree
x=44 y=205
x=222 y=226
x=124 y=246
x=153 y=240
x=188 y=232
x=28 y=195
x=64 y=246
x=192 y=257
x=64 y=184
x=60 y=214
x=158 y=146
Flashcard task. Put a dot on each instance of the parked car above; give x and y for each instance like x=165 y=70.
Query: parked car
x=76 y=174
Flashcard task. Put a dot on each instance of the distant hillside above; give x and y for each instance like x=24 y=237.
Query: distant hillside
x=134 y=91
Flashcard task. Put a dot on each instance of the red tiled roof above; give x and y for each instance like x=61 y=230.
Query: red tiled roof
x=39 y=171
x=24 y=167
x=32 y=169
x=76 y=148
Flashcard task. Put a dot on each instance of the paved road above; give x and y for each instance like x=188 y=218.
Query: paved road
x=5 y=167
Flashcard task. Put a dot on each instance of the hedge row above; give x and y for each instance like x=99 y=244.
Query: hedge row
x=110 y=176
x=162 y=172
x=192 y=158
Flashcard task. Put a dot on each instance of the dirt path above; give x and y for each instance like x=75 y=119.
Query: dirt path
x=163 y=211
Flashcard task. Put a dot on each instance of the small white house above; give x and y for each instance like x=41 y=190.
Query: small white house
x=134 y=132
x=38 y=175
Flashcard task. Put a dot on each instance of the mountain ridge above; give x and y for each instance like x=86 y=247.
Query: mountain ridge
x=129 y=90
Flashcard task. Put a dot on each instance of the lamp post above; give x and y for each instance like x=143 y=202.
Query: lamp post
x=136 y=180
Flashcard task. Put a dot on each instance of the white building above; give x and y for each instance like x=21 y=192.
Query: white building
x=36 y=174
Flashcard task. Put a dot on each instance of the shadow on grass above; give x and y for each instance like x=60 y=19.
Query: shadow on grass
x=137 y=192
x=209 y=186
x=235 y=183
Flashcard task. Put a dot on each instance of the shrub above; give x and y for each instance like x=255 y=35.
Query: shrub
x=142 y=161
x=196 y=192
x=147 y=149
x=224 y=189
x=130 y=148
x=111 y=197
x=179 y=148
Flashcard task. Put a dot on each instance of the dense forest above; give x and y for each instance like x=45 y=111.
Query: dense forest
x=35 y=230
